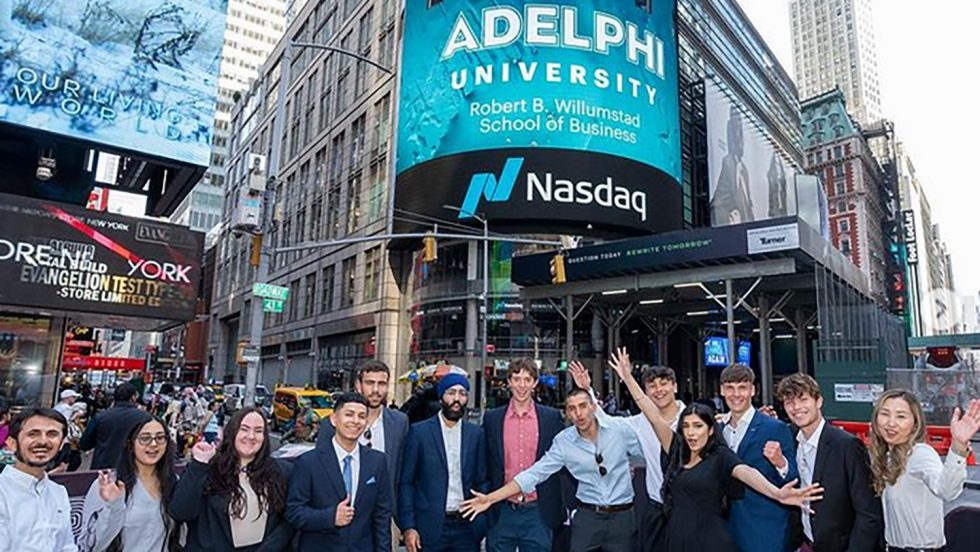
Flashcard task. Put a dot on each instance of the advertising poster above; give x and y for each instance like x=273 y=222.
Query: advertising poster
x=55 y=256
x=525 y=112
x=138 y=75
x=748 y=179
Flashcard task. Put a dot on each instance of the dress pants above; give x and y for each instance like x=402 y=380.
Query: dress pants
x=519 y=527
x=653 y=527
x=457 y=536
x=603 y=532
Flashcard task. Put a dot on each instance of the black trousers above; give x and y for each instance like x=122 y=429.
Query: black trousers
x=603 y=532
x=652 y=528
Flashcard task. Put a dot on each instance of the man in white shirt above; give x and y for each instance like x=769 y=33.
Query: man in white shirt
x=35 y=514
x=756 y=522
x=660 y=384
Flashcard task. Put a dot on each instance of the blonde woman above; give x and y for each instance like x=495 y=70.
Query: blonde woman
x=908 y=474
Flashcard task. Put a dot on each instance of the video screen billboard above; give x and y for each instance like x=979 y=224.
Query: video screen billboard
x=55 y=256
x=748 y=179
x=716 y=352
x=541 y=115
x=138 y=75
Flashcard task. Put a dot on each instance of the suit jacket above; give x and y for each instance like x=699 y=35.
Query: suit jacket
x=424 y=480
x=549 y=492
x=107 y=434
x=758 y=523
x=849 y=518
x=317 y=487
x=396 y=430
x=208 y=524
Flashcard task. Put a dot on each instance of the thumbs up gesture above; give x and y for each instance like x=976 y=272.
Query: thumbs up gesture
x=345 y=513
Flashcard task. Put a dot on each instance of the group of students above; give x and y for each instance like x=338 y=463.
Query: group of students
x=743 y=481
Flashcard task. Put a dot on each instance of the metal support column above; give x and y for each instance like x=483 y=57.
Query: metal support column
x=730 y=319
x=569 y=326
x=765 y=349
x=801 y=358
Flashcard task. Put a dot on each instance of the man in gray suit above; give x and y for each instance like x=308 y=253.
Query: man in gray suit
x=386 y=428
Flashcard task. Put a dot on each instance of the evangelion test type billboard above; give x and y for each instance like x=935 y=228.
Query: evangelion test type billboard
x=54 y=256
x=542 y=116
x=137 y=75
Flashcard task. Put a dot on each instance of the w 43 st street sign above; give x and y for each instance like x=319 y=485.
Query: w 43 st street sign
x=269 y=291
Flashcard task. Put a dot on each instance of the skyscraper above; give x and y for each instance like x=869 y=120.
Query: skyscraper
x=834 y=46
x=252 y=29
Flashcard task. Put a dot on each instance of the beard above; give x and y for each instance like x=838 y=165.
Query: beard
x=20 y=458
x=453 y=415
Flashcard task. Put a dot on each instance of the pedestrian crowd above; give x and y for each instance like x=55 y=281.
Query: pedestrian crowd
x=740 y=481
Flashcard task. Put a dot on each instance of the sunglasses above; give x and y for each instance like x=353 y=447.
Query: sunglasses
x=598 y=460
x=367 y=435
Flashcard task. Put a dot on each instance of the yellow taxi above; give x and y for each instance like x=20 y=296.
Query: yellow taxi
x=290 y=401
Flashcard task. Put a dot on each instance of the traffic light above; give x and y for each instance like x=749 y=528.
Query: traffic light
x=430 y=251
x=558 y=269
x=255 y=254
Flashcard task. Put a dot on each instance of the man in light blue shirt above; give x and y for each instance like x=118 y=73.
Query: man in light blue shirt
x=597 y=453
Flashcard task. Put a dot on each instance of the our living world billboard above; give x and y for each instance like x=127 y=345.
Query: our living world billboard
x=55 y=256
x=555 y=116
x=136 y=75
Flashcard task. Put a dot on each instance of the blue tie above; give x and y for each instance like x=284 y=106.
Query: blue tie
x=348 y=474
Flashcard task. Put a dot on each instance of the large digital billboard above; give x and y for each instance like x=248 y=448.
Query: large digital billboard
x=138 y=75
x=556 y=116
x=55 y=256
x=748 y=179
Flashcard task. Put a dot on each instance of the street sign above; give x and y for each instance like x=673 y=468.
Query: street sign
x=250 y=353
x=272 y=305
x=270 y=291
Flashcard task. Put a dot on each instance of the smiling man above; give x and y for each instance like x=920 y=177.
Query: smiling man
x=35 y=515
x=517 y=435
x=757 y=523
x=339 y=497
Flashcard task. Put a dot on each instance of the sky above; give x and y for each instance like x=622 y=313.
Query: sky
x=928 y=88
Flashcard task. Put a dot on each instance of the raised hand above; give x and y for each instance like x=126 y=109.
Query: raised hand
x=773 y=452
x=768 y=410
x=964 y=425
x=620 y=363
x=412 y=541
x=475 y=506
x=109 y=489
x=345 y=513
x=791 y=496
x=203 y=452
x=581 y=376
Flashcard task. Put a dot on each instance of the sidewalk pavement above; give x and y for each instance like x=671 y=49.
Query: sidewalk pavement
x=973 y=477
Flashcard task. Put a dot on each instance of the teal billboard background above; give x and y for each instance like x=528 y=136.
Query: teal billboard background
x=526 y=94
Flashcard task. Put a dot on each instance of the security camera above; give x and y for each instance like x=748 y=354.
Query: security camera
x=46 y=168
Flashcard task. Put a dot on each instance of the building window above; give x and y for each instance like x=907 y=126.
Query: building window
x=309 y=303
x=843 y=226
x=841 y=206
x=845 y=245
x=372 y=273
x=839 y=186
x=357 y=133
x=348 y=274
x=293 y=308
x=326 y=289
x=354 y=203
x=839 y=170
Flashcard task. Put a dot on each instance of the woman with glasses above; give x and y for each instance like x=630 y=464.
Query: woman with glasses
x=127 y=510
x=233 y=496
x=908 y=474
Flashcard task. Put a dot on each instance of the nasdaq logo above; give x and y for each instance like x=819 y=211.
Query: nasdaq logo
x=490 y=187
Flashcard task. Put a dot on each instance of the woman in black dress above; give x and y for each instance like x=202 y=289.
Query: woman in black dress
x=701 y=470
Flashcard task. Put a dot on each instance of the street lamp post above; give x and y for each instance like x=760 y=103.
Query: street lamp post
x=269 y=199
x=483 y=299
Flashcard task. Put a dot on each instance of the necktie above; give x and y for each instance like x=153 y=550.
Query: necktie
x=348 y=475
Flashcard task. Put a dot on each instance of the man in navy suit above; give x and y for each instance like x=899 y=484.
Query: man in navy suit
x=386 y=428
x=757 y=523
x=517 y=435
x=339 y=495
x=444 y=461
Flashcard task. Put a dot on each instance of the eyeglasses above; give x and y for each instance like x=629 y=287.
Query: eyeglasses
x=598 y=460
x=367 y=435
x=146 y=439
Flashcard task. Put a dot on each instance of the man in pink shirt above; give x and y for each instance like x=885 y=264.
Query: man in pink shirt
x=517 y=435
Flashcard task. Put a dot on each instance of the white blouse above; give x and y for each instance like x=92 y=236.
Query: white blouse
x=138 y=519
x=913 y=506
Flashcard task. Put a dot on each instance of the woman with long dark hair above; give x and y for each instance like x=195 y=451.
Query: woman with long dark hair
x=701 y=471
x=908 y=474
x=129 y=511
x=233 y=496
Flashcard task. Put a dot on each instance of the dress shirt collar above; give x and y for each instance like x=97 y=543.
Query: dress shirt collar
x=341 y=452
x=25 y=480
x=512 y=411
x=745 y=420
x=814 y=439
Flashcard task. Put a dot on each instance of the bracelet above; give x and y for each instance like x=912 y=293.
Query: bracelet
x=966 y=452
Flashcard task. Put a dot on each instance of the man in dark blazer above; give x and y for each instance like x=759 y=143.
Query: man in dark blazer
x=107 y=432
x=849 y=518
x=339 y=494
x=758 y=523
x=517 y=435
x=386 y=428
x=444 y=461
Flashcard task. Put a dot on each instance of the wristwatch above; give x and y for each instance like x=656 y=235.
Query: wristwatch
x=966 y=452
